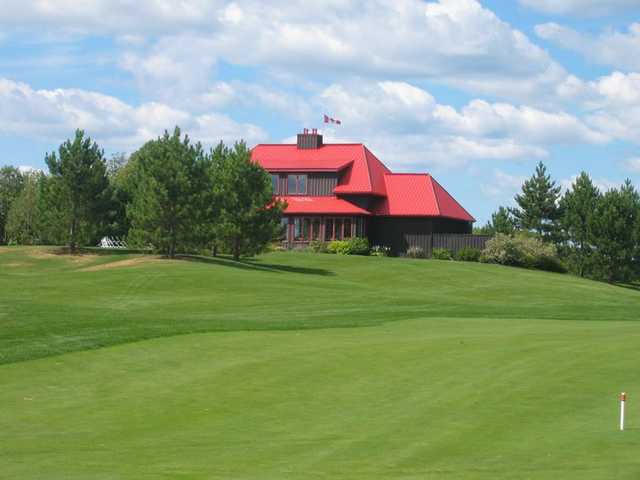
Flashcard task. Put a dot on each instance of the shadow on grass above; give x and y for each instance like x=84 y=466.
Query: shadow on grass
x=630 y=286
x=256 y=265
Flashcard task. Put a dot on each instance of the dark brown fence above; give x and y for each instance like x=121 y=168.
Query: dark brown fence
x=451 y=241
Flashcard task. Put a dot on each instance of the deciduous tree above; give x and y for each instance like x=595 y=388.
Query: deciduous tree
x=11 y=184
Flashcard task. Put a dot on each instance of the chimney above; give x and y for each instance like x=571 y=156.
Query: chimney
x=309 y=139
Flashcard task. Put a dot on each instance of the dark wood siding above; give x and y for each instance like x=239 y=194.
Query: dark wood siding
x=321 y=184
x=400 y=233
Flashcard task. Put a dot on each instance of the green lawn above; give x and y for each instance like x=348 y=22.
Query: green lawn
x=211 y=369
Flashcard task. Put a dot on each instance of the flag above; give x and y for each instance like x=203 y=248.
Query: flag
x=328 y=119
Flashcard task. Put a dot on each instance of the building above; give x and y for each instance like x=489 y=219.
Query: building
x=338 y=191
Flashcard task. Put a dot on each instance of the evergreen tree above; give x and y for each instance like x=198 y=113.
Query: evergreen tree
x=538 y=205
x=11 y=184
x=79 y=171
x=616 y=227
x=501 y=222
x=248 y=218
x=169 y=181
x=578 y=207
x=23 y=220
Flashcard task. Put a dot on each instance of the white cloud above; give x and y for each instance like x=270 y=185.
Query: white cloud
x=109 y=16
x=54 y=114
x=632 y=164
x=582 y=8
x=457 y=42
x=610 y=47
x=612 y=103
x=398 y=107
x=503 y=185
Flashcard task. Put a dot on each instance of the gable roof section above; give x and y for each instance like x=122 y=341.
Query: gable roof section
x=365 y=177
x=419 y=195
x=364 y=172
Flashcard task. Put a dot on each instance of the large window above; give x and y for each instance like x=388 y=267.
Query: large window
x=347 y=227
x=328 y=229
x=297 y=184
x=338 y=229
x=315 y=229
x=275 y=184
x=297 y=228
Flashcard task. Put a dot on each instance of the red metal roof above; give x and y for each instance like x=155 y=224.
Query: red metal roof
x=366 y=175
x=362 y=174
x=419 y=195
x=289 y=158
x=321 y=205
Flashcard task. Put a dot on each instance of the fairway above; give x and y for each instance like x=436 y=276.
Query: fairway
x=302 y=366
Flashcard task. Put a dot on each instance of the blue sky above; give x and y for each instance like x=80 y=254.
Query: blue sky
x=475 y=92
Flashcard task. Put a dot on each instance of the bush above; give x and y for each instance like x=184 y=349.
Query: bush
x=358 y=246
x=469 y=254
x=522 y=251
x=352 y=246
x=380 y=251
x=441 y=254
x=317 y=246
x=415 y=252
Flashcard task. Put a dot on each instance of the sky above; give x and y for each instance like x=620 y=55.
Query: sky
x=474 y=92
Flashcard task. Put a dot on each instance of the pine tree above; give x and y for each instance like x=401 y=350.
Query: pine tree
x=538 y=205
x=79 y=171
x=578 y=206
x=501 y=222
x=168 y=181
x=247 y=219
x=616 y=229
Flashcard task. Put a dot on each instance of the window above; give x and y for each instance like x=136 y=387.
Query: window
x=359 y=227
x=347 y=228
x=297 y=184
x=275 y=184
x=328 y=229
x=306 y=228
x=338 y=228
x=315 y=229
x=284 y=226
x=297 y=229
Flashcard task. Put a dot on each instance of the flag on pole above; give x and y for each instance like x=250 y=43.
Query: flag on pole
x=328 y=119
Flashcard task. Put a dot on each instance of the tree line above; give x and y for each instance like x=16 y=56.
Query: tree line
x=596 y=234
x=170 y=195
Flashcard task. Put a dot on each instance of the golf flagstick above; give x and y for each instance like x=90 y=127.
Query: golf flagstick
x=623 y=398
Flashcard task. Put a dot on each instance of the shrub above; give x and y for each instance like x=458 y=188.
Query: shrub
x=380 y=251
x=317 y=246
x=441 y=254
x=415 y=252
x=469 y=254
x=522 y=251
x=358 y=246
x=352 y=246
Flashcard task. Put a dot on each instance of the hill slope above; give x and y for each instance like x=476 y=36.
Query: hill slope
x=461 y=371
x=52 y=303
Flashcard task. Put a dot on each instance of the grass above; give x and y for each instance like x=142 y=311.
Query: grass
x=221 y=370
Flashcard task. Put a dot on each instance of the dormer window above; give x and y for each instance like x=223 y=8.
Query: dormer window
x=296 y=184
